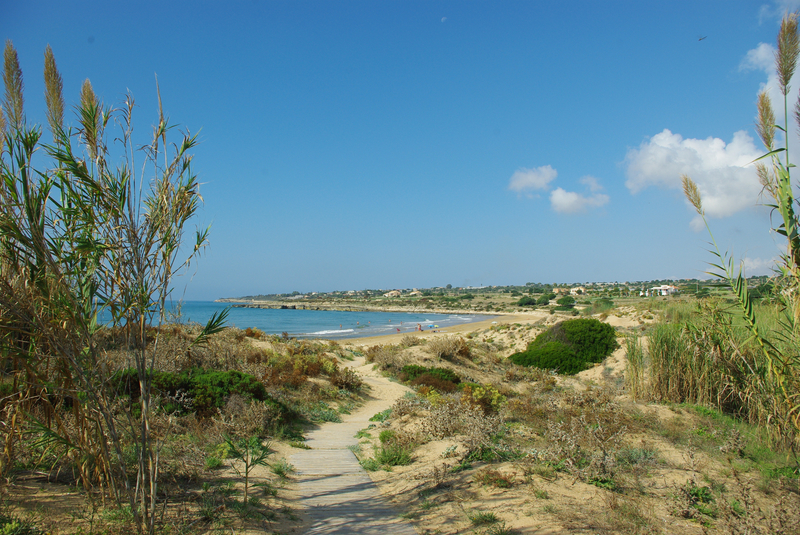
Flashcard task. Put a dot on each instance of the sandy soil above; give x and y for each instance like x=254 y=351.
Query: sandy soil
x=440 y=501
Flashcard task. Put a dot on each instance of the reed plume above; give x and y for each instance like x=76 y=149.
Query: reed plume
x=12 y=78
x=692 y=193
x=53 y=89
x=788 y=51
x=90 y=118
x=766 y=120
x=764 y=369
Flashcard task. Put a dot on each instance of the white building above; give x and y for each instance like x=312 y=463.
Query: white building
x=665 y=289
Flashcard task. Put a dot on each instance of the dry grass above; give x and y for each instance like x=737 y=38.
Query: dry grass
x=449 y=348
x=387 y=357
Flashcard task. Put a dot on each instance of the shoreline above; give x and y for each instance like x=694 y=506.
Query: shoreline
x=341 y=307
x=461 y=328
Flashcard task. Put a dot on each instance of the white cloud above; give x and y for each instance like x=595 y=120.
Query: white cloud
x=722 y=172
x=591 y=182
x=570 y=202
x=759 y=266
x=525 y=180
x=761 y=58
x=777 y=10
x=727 y=181
x=564 y=202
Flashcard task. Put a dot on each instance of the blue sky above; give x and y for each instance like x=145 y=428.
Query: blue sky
x=376 y=144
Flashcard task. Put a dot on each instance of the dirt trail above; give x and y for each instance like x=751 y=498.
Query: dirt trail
x=337 y=494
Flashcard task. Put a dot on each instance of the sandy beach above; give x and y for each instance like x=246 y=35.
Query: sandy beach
x=462 y=328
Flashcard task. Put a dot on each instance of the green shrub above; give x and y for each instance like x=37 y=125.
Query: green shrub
x=566 y=301
x=386 y=436
x=434 y=382
x=393 y=455
x=598 y=306
x=347 y=379
x=381 y=416
x=569 y=346
x=545 y=299
x=10 y=525
x=212 y=462
x=207 y=389
x=482 y=519
x=526 y=302
x=412 y=371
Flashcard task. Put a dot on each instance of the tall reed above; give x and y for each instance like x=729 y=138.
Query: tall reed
x=635 y=374
x=778 y=363
x=79 y=238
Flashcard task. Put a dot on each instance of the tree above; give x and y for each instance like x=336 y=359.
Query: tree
x=251 y=452
x=545 y=299
x=566 y=301
x=80 y=239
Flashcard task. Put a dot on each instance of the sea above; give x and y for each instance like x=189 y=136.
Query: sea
x=325 y=324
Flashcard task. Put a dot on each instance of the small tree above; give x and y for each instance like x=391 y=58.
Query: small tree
x=566 y=301
x=251 y=453
x=545 y=299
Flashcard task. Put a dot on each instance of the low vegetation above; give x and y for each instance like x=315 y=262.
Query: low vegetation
x=569 y=346
x=142 y=425
x=561 y=452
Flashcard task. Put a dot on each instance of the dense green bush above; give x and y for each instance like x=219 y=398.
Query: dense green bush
x=207 y=389
x=545 y=299
x=600 y=305
x=566 y=301
x=551 y=355
x=526 y=302
x=412 y=371
x=569 y=346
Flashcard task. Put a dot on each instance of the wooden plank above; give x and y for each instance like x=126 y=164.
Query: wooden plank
x=338 y=494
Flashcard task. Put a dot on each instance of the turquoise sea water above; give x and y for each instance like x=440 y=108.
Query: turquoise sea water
x=327 y=324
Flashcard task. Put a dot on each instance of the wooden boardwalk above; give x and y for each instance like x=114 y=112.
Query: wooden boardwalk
x=337 y=493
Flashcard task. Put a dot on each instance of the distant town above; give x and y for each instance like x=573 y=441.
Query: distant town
x=504 y=298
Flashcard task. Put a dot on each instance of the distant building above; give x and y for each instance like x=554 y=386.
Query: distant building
x=580 y=290
x=665 y=289
x=393 y=293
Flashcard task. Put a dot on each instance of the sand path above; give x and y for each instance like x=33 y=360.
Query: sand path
x=338 y=495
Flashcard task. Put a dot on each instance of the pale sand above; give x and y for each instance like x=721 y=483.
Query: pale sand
x=462 y=328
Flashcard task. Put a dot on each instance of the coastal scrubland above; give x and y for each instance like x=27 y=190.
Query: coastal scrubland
x=481 y=444
x=485 y=445
x=681 y=415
